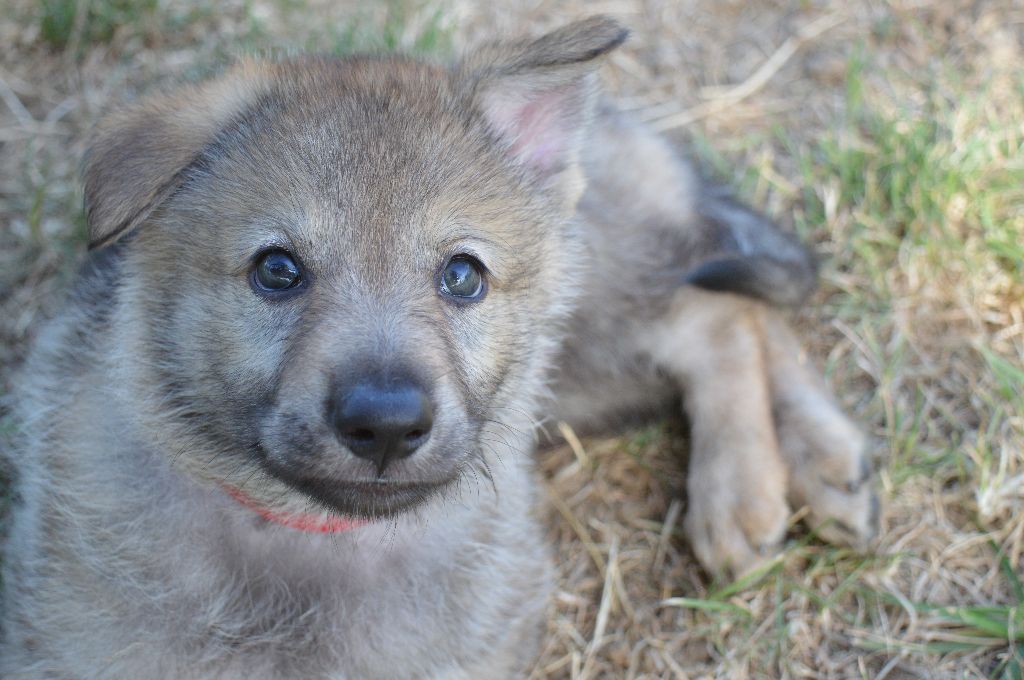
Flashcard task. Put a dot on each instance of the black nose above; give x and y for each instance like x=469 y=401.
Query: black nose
x=382 y=423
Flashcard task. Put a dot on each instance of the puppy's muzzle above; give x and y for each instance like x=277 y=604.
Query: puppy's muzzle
x=381 y=421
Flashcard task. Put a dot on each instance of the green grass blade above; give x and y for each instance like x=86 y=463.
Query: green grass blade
x=716 y=606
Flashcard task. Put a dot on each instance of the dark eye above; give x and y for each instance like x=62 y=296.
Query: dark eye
x=463 y=278
x=276 y=270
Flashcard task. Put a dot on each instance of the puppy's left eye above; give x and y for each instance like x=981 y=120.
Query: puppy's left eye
x=463 y=278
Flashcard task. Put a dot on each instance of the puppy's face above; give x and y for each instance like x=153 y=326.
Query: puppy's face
x=343 y=263
x=353 y=277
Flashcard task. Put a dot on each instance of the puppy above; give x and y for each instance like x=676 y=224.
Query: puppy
x=283 y=426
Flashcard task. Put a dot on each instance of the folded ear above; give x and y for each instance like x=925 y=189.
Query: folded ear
x=139 y=155
x=539 y=98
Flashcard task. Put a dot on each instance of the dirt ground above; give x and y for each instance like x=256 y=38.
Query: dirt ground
x=888 y=133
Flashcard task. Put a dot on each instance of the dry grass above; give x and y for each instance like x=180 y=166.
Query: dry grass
x=889 y=133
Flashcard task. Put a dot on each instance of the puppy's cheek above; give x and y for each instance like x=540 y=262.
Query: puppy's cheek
x=234 y=354
x=246 y=346
x=286 y=441
x=485 y=348
x=253 y=335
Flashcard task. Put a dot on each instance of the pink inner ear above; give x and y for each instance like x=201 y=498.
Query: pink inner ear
x=538 y=127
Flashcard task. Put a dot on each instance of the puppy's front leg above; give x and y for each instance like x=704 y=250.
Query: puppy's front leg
x=712 y=343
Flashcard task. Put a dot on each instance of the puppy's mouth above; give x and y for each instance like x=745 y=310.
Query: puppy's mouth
x=341 y=506
x=365 y=500
x=353 y=503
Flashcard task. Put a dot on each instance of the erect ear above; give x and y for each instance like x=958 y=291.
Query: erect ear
x=539 y=97
x=139 y=155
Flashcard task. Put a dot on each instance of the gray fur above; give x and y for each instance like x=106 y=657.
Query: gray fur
x=166 y=377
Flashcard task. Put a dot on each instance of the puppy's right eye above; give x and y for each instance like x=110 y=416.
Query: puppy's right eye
x=276 y=270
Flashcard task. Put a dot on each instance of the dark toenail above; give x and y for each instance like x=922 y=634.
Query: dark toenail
x=865 y=475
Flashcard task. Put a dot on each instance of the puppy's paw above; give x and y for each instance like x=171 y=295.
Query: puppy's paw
x=734 y=526
x=829 y=472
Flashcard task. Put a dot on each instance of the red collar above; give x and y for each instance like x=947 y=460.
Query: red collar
x=309 y=522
